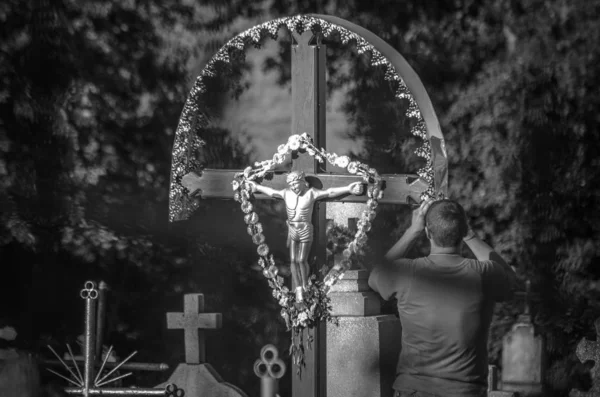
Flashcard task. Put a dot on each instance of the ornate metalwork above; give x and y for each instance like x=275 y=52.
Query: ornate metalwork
x=269 y=368
x=195 y=116
x=91 y=383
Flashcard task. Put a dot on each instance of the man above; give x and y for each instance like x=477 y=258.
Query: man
x=299 y=202
x=445 y=303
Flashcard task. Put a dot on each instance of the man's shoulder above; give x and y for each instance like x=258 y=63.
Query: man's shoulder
x=401 y=267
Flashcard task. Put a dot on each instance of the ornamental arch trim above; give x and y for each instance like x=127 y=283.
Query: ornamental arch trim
x=397 y=70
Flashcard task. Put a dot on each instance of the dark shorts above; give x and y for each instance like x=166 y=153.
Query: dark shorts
x=413 y=393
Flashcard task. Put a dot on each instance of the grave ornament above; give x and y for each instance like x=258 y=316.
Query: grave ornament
x=590 y=350
x=92 y=383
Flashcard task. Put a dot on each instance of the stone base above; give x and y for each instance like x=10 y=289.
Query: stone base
x=362 y=353
x=501 y=393
x=355 y=304
x=524 y=389
x=198 y=380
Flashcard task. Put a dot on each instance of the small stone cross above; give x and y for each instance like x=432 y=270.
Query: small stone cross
x=192 y=320
x=589 y=350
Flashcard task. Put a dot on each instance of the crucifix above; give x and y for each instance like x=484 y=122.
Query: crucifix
x=308 y=115
x=192 y=320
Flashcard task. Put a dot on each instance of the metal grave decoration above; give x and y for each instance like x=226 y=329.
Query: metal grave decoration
x=91 y=383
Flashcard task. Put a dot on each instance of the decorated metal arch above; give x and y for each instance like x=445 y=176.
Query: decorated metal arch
x=195 y=115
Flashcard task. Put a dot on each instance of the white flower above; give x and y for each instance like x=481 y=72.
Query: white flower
x=278 y=158
x=247 y=171
x=353 y=167
x=282 y=149
x=306 y=137
x=235 y=184
x=303 y=142
x=294 y=142
x=342 y=161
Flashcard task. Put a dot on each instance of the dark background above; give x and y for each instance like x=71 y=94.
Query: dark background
x=90 y=96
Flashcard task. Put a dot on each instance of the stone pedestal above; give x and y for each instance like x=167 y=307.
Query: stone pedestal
x=522 y=359
x=198 y=380
x=362 y=351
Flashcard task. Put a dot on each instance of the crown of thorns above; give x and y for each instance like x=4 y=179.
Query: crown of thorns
x=295 y=176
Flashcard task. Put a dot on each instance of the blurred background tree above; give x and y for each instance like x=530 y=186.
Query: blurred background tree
x=90 y=95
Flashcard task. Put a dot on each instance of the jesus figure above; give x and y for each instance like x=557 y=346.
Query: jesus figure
x=299 y=200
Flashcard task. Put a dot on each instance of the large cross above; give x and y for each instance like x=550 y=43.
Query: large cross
x=192 y=320
x=308 y=115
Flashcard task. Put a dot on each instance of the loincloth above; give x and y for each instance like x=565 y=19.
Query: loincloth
x=301 y=232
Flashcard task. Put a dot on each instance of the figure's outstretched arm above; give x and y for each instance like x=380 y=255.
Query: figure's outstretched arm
x=266 y=190
x=354 y=188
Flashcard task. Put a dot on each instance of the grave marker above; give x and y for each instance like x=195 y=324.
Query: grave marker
x=523 y=355
x=193 y=321
x=590 y=350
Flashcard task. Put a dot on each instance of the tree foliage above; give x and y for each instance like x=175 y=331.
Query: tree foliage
x=90 y=94
x=512 y=82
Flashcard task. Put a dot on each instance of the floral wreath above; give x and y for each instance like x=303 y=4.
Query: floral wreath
x=316 y=306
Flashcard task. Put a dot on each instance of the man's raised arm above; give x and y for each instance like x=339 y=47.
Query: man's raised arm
x=386 y=276
x=402 y=246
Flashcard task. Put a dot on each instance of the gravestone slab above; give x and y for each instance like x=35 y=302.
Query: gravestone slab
x=522 y=359
x=493 y=384
x=590 y=350
x=201 y=380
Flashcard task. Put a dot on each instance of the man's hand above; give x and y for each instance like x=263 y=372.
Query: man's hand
x=356 y=188
x=418 y=216
x=470 y=235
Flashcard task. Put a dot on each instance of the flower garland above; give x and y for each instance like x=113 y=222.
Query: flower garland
x=316 y=305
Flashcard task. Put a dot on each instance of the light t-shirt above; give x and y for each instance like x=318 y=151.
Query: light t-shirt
x=445 y=304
